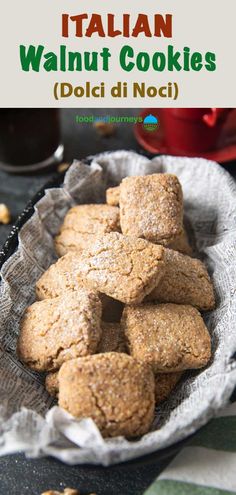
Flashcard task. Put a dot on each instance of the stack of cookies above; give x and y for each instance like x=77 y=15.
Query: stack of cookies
x=117 y=320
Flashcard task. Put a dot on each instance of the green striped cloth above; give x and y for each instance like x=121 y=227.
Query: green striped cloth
x=207 y=465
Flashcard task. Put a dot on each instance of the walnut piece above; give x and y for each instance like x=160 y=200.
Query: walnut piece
x=105 y=129
x=62 y=167
x=5 y=215
x=67 y=491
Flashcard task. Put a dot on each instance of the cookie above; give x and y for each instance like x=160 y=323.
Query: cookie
x=164 y=384
x=55 y=330
x=185 y=281
x=169 y=337
x=62 y=276
x=52 y=384
x=124 y=268
x=82 y=223
x=113 y=196
x=117 y=392
x=151 y=207
x=59 y=277
x=181 y=244
x=112 y=339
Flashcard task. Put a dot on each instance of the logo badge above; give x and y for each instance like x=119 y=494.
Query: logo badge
x=151 y=123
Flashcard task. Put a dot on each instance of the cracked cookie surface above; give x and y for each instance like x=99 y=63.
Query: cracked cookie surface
x=55 y=330
x=112 y=340
x=117 y=392
x=185 y=281
x=169 y=337
x=82 y=223
x=58 y=278
x=151 y=207
x=124 y=268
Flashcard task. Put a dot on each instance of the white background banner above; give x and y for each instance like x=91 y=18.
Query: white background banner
x=199 y=26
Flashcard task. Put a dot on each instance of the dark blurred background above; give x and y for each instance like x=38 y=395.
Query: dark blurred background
x=80 y=140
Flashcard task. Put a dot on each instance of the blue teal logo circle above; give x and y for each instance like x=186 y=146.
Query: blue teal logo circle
x=151 y=123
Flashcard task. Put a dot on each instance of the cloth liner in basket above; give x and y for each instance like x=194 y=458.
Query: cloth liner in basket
x=28 y=422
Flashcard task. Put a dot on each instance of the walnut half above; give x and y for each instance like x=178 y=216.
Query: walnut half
x=5 y=215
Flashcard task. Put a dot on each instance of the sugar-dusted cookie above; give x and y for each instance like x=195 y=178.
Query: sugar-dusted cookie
x=82 y=222
x=170 y=337
x=151 y=207
x=185 y=281
x=125 y=268
x=112 y=340
x=58 y=278
x=113 y=389
x=55 y=330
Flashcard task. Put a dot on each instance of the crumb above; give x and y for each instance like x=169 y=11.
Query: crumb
x=105 y=129
x=5 y=215
x=113 y=196
x=62 y=167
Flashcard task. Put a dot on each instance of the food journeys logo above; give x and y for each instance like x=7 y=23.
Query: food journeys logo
x=151 y=123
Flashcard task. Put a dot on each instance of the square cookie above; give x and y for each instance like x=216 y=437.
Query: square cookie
x=124 y=268
x=185 y=281
x=62 y=276
x=56 y=330
x=117 y=393
x=151 y=207
x=170 y=337
x=59 y=277
x=82 y=223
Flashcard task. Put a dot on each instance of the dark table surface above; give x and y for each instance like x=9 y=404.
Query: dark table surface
x=18 y=475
